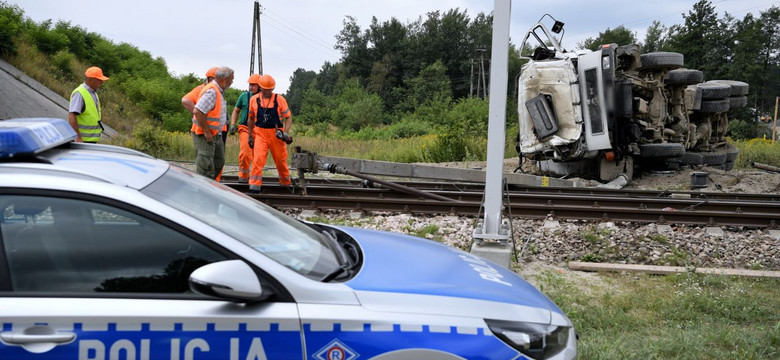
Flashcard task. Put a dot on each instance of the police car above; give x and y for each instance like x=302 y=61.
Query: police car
x=109 y=254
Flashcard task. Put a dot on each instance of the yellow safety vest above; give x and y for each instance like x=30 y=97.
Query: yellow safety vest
x=88 y=119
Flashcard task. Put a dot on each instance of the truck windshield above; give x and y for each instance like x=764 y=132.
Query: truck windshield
x=283 y=239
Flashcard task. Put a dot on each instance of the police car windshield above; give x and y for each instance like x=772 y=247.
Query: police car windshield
x=283 y=239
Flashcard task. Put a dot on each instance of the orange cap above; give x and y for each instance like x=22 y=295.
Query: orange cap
x=212 y=72
x=254 y=79
x=95 y=72
x=267 y=82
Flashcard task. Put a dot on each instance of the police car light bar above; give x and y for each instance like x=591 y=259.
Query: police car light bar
x=32 y=136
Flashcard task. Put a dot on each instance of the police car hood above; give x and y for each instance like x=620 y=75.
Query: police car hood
x=400 y=264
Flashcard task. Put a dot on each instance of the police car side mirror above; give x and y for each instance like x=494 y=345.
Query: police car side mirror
x=231 y=280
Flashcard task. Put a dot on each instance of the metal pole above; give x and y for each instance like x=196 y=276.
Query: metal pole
x=499 y=69
x=254 y=32
x=259 y=41
x=471 y=80
x=774 y=123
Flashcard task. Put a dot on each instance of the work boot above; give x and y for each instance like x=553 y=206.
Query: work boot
x=243 y=181
x=254 y=191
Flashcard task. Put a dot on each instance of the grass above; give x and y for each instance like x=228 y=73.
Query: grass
x=757 y=150
x=686 y=316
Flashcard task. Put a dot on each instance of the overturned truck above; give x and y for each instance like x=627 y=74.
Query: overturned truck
x=599 y=114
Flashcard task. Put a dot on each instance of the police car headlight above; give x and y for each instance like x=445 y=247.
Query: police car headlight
x=537 y=341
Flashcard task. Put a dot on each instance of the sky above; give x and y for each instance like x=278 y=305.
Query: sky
x=195 y=35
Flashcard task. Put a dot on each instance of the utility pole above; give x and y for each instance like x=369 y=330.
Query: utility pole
x=482 y=73
x=471 y=80
x=774 y=123
x=492 y=228
x=256 y=35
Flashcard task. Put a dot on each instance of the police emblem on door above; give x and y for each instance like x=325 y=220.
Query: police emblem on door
x=336 y=351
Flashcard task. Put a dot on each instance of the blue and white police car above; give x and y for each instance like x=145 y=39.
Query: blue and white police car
x=109 y=254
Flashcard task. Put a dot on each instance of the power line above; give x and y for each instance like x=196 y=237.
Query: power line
x=304 y=37
x=303 y=40
x=312 y=36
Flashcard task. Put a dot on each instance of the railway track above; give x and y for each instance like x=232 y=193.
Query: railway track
x=694 y=208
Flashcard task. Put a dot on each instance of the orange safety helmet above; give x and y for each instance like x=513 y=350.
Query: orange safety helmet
x=255 y=79
x=212 y=73
x=267 y=82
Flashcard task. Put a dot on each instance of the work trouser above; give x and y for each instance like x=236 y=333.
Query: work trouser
x=210 y=156
x=265 y=139
x=244 y=154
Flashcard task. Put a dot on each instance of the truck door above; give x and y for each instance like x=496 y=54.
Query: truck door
x=594 y=102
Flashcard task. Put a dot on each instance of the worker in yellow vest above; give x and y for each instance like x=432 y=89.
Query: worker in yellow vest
x=84 y=111
x=208 y=120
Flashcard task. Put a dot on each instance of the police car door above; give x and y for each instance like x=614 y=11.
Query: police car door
x=86 y=278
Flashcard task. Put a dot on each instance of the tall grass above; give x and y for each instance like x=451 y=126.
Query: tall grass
x=757 y=150
x=687 y=316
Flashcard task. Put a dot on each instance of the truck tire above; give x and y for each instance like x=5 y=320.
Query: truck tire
x=713 y=106
x=738 y=88
x=736 y=102
x=728 y=165
x=713 y=158
x=654 y=60
x=661 y=150
x=711 y=91
x=683 y=77
x=731 y=152
x=692 y=158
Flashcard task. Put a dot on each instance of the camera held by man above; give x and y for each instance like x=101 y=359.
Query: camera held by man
x=281 y=135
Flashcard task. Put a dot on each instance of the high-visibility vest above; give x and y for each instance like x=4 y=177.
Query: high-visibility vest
x=88 y=119
x=213 y=116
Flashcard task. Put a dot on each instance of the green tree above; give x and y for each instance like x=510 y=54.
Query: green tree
x=46 y=40
x=11 y=18
x=655 y=39
x=703 y=40
x=300 y=81
x=357 y=108
x=432 y=84
x=619 y=35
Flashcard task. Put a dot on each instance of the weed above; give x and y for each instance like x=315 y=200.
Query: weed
x=660 y=239
x=592 y=258
x=591 y=237
x=427 y=230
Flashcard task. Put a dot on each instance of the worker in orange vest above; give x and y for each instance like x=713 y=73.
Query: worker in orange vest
x=238 y=123
x=208 y=120
x=189 y=100
x=269 y=122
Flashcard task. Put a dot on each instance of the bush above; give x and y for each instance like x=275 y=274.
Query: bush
x=743 y=130
x=11 y=20
x=62 y=61
x=757 y=150
x=47 y=41
x=150 y=139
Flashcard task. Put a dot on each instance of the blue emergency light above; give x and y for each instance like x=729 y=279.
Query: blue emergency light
x=31 y=136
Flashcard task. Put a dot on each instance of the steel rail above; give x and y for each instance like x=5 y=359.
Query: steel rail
x=479 y=187
x=678 y=211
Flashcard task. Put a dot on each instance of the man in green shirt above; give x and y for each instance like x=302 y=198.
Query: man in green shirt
x=240 y=113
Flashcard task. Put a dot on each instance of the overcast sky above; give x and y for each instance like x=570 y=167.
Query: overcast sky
x=194 y=35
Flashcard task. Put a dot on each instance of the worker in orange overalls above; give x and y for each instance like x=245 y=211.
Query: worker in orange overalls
x=269 y=122
x=238 y=123
x=189 y=100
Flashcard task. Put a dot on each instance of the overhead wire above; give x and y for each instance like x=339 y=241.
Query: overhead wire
x=281 y=24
